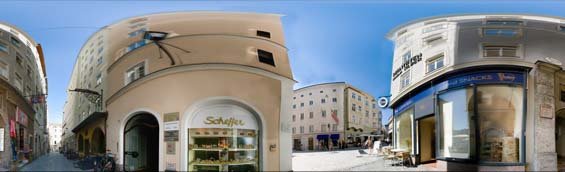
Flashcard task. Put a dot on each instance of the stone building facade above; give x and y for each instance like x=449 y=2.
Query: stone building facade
x=333 y=112
x=23 y=89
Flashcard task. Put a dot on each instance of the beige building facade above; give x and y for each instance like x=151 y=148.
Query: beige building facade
x=211 y=95
x=23 y=89
x=333 y=112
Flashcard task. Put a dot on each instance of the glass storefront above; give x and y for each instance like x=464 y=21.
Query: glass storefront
x=455 y=111
x=403 y=125
x=498 y=110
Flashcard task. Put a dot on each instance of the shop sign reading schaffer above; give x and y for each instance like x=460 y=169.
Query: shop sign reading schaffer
x=224 y=116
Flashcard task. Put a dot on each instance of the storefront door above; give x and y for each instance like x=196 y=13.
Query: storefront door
x=427 y=137
x=310 y=143
x=141 y=143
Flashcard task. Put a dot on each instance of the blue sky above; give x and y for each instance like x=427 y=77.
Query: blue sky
x=328 y=40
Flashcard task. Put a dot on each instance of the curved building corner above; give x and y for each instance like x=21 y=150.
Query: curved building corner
x=480 y=91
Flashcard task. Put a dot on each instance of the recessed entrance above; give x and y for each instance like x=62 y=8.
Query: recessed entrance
x=427 y=135
x=141 y=143
x=98 y=142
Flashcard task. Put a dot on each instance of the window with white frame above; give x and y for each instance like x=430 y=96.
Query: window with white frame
x=323 y=127
x=4 y=47
x=434 y=39
x=301 y=129
x=500 y=51
x=136 y=45
x=435 y=63
x=135 y=72
x=4 y=69
x=334 y=127
x=98 y=79
x=504 y=22
x=405 y=80
x=18 y=82
x=502 y=32
x=311 y=128
x=406 y=57
x=434 y=28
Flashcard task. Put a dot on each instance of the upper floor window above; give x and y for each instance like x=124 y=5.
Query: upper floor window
x=293 y=118
x=311 y=128
x=334 y=90
x=301 y=116
x=323 y=100
x=265 y=57
x=4 y=69
x=405 y=80
x=321 y=91
x=99 y=79
x=15 y=41
x=311 y=102
x=293 y=130
x=135 y=73
x=18 y=82
x=301 y=129
x=435 y=62
x=263 y=34
x=500 y=51
x=311 y=115
x=353 y=95
x=19 y=60
x=294 y=106
x=501 y=32
x=136 y=45
x=434 y=28
x=4 y=47
x=504 y=22
x=334 y=99
x=301 y=104
x=137 y=32
x=406 y=57
x=324 y=113
x=433 y=39
x=353 y=107
x=561 y=28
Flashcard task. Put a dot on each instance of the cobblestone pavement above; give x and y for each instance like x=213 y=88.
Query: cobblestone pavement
x=348 y=160
x=51 y=162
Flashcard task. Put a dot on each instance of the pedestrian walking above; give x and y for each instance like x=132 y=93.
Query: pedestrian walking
x=331 y=145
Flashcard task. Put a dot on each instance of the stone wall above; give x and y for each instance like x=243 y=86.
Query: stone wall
x=545 y=157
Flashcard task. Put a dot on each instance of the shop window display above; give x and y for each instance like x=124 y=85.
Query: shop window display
x=223 y=138
x=500 y=110
x=220 y=149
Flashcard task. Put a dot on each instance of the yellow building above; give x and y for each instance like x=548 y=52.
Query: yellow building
x=205 y=91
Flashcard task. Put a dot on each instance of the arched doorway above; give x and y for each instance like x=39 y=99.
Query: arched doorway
x=98 y=142
x=141 y=143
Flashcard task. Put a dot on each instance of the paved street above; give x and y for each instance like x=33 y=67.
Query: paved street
x=51 y=162
x=348 y=160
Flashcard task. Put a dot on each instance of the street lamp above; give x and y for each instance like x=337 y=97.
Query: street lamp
x=157 y=37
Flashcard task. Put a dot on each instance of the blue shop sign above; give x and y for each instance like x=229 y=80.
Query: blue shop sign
x=506 y=77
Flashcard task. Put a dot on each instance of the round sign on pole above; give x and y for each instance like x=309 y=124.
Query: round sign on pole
x=383 y=102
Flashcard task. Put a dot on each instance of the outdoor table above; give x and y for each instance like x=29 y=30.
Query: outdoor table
x=402 y=151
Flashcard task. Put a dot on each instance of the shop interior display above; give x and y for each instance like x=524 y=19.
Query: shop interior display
x=220 y=149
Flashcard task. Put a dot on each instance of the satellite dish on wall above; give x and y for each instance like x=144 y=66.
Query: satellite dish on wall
x=553 y=61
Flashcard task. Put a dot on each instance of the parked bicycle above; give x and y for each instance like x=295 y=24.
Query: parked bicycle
x=105 y=163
